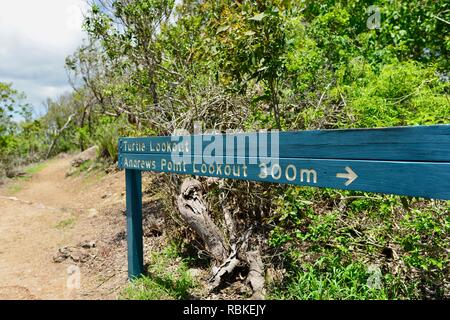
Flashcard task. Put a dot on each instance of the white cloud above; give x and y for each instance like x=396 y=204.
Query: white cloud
x=35 y=38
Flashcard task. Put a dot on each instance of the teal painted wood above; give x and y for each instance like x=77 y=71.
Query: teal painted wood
x=134 y=223
x=413 y=161
x=421 y=179
x=415 y=143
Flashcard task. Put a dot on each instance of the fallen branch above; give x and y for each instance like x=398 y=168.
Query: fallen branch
x=194 y=211
x=58 y=135
x=256 y=274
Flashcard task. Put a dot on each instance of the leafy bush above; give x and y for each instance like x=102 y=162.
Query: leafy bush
x=401 y=94
x=107 y=135
x=347 y=231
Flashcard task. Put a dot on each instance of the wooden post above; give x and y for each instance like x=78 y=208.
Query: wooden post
x=133 y=180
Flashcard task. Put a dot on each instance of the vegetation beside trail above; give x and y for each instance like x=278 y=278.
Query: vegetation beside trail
x=168 y=278
x=150 y=67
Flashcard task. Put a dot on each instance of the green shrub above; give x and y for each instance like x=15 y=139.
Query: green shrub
x=407 y=238
x=107 y=135
x=401 y=94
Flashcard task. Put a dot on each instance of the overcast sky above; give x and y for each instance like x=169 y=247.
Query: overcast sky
x=35 y=38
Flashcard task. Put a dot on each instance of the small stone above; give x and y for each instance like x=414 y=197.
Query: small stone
x=92 y=212
x=71 y=171
x=62 y=255
x=88 y=244
x=195 y=273
x=106 y=195
x=59 y=258
x=86 y=155
x=75 y=257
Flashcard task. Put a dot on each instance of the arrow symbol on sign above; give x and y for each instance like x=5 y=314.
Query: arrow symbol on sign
x=350 y=176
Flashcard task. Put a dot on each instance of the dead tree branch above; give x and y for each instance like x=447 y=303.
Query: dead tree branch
x=58 y=135
x=194 y=211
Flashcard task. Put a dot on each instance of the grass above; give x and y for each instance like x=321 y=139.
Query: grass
x=168 y=279
x=14 y=188
x=92 y=170
x=330 y=279
x=36 y=168
x=32 y=170
x=29 y=172
x=83 y=168
x=66 y=223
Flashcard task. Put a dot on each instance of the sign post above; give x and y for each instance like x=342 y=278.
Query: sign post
x=412 y=161
x=134 y=222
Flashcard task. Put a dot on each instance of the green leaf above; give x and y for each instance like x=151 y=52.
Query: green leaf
x=261 y=98
x=222 y=29
x=258 y=17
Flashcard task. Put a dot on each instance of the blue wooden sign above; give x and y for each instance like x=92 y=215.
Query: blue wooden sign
x=412 y=161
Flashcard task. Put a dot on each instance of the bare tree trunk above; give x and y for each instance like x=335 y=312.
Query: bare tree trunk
x=194 y=211
x=274 y=102
x=58 y=135
x=227 y=257
x=83 y=118
x=256 y=274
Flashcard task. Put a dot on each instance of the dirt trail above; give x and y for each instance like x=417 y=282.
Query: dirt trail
x=39 y=216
